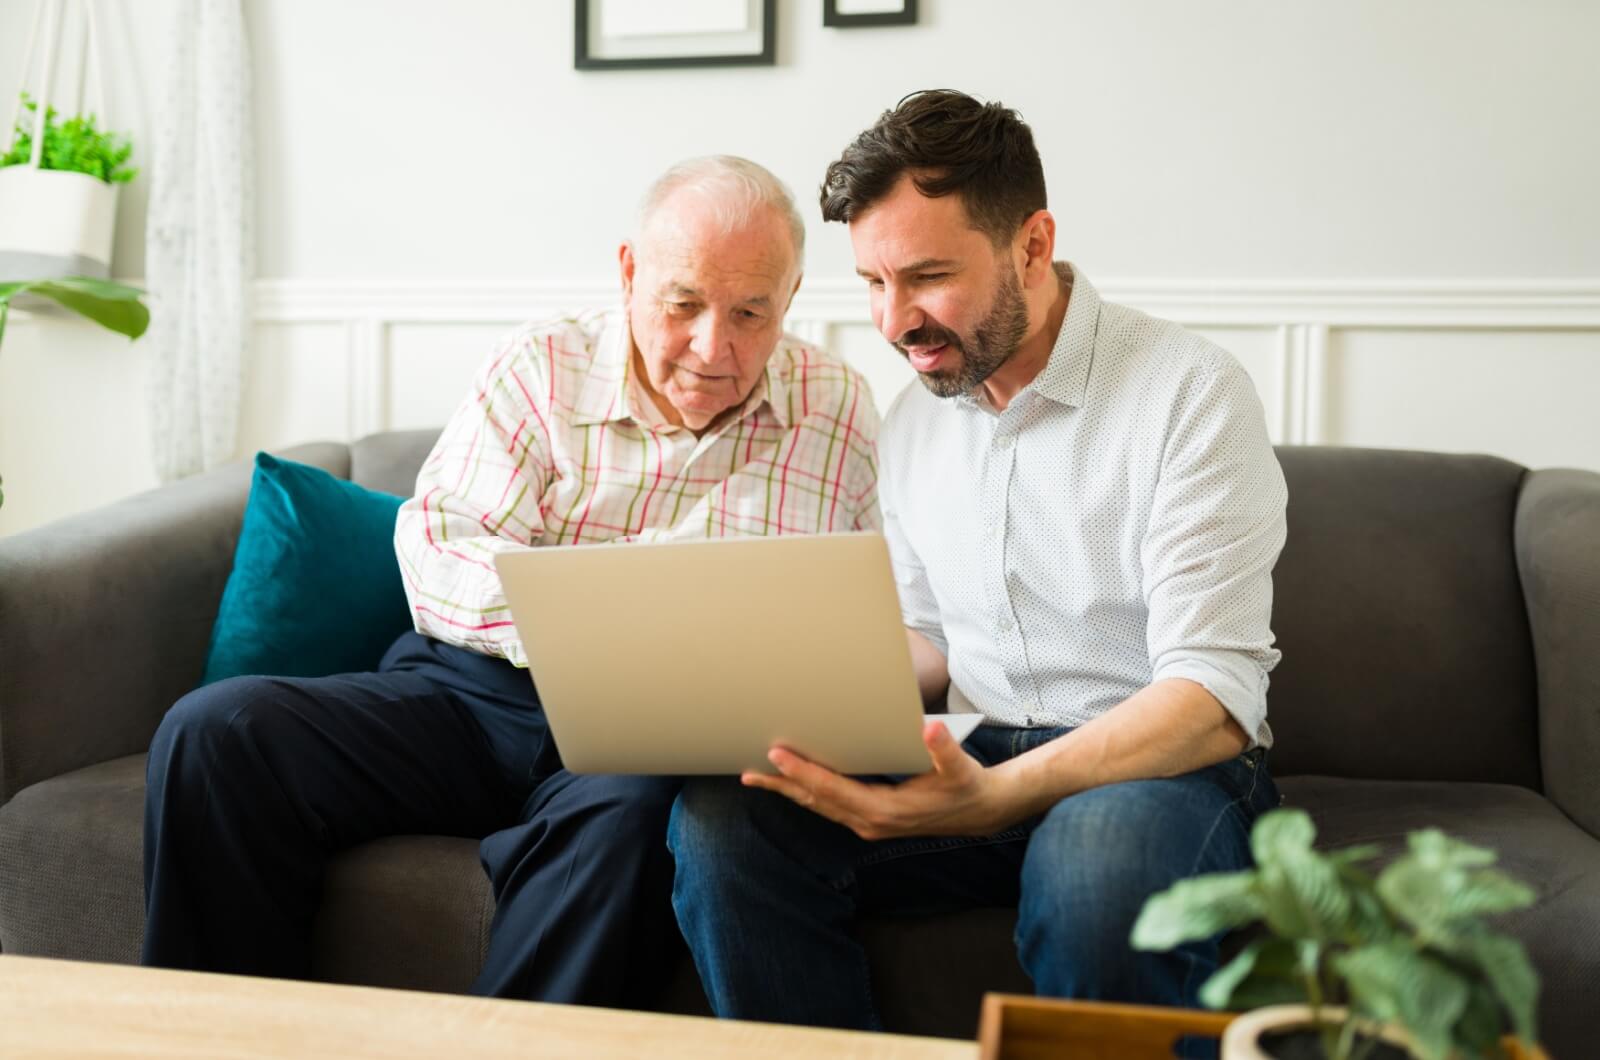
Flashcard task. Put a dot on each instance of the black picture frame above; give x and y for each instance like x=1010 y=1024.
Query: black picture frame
x=906 y=16
x=583 y=59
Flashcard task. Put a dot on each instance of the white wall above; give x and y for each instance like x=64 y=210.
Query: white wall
x=1386 y=210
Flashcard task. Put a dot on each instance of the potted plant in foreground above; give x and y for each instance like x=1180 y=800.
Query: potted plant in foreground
x=1356 y=963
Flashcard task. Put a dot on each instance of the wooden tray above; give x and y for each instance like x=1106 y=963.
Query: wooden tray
x=1015 y=1027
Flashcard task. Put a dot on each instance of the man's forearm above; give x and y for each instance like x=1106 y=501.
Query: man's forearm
x=1166 y=729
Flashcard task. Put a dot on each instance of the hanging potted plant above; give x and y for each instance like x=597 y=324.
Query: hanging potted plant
x=1355 y=965
x=58 y=196
x=58 y=202
x=57 y=206
x=59 y=179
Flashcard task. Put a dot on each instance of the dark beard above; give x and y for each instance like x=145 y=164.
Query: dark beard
x=991 y=344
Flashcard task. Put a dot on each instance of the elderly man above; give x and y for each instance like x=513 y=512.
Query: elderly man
x=688 y=414
x=1084 y=512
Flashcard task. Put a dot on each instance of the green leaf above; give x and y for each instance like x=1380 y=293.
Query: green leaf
x=1441 y=896
x=111 y=305
x=1302 y=890
x=1304 y=897
x=1479 y=1027
x=1281 y=833
x=75 y=145
x=1390 y=981
x=1196 y=908
x=1504 y=963
x=1266 y=972
x=1439 y=851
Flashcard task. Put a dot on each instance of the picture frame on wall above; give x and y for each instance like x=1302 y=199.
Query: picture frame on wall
x=849 y=14
x=637 y=34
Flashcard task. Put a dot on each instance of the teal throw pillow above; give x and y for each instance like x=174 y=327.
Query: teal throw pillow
x=315 y=587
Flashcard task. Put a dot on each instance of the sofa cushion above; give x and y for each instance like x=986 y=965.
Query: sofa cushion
x=1537 y=843
x=71 y=858
x=1399 y=611
x=411 y=912
x=315 y=587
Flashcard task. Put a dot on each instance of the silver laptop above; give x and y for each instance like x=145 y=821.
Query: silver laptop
x=698 y=657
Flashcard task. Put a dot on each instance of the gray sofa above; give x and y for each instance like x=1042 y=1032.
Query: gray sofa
x=1439 y=618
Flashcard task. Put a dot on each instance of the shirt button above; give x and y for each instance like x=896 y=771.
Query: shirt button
x=1006 y=624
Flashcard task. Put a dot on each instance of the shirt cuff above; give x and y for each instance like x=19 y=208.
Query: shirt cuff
x=1236 y=682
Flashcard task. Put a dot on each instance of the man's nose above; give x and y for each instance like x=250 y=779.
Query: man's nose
x=900 y=315
x=710 y=340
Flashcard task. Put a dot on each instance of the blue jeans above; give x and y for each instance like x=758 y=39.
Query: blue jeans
x=766 y=892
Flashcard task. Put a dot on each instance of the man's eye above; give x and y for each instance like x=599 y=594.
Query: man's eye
x=749 y=314
x=681 y=308
x=931 y=277
x=875 y=284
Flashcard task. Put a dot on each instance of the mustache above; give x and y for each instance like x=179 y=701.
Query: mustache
x=929 y=335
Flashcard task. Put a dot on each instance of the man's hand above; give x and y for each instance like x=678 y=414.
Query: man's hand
x=957 y=797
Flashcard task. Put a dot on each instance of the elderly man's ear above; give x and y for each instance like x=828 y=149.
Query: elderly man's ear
x=625 y=261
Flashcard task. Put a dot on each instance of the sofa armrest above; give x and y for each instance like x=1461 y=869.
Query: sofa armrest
x=105 y=618
x=1558 y=555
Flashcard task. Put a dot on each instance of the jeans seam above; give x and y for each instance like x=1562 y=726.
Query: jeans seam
x=1255 y=777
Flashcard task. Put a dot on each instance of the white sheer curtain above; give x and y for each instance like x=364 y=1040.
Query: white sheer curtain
x=200 y=239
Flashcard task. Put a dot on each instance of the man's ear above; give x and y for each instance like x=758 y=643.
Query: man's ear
x=799 y=276
x=625 y=260
x=1035 y=248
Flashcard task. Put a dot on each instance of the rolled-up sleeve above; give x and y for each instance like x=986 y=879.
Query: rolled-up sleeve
x=478 y=495
x=1216 y=528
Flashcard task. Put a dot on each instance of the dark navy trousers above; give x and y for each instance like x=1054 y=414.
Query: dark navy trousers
x=255 y=782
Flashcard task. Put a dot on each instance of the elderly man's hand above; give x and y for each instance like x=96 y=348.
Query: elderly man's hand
x=957 y=797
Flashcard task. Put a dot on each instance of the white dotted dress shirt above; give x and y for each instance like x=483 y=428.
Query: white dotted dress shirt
x=1116 y=525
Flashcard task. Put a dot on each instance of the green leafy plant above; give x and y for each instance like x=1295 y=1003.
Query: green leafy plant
x=1407 y=946
x=111 y=305
x=75 y=145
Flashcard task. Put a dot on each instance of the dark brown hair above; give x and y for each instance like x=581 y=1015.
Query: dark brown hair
x=949 y=143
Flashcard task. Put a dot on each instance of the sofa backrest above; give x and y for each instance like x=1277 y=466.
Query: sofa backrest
x=1399 y=610
x=390 y=461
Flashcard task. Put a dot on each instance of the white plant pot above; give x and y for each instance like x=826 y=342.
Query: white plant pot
x=54 y=223
x=1242 y=1039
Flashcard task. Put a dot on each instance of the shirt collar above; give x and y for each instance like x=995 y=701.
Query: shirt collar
x=604 y=396
x=612 y=394
x=1065 y=378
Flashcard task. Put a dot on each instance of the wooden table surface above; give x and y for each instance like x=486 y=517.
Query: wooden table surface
x=52 y=1008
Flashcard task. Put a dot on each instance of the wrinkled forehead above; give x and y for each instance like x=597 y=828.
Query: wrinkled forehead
x=697 y=249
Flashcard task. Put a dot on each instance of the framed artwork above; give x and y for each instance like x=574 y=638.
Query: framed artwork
x=848 y=14
x=632 y=34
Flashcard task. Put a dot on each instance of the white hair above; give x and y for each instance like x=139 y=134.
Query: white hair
x=733 y=189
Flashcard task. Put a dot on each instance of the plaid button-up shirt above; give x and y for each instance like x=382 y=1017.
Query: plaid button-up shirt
x=557 y=444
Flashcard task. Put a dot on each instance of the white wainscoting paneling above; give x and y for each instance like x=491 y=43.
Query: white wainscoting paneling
x=1368 y=363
